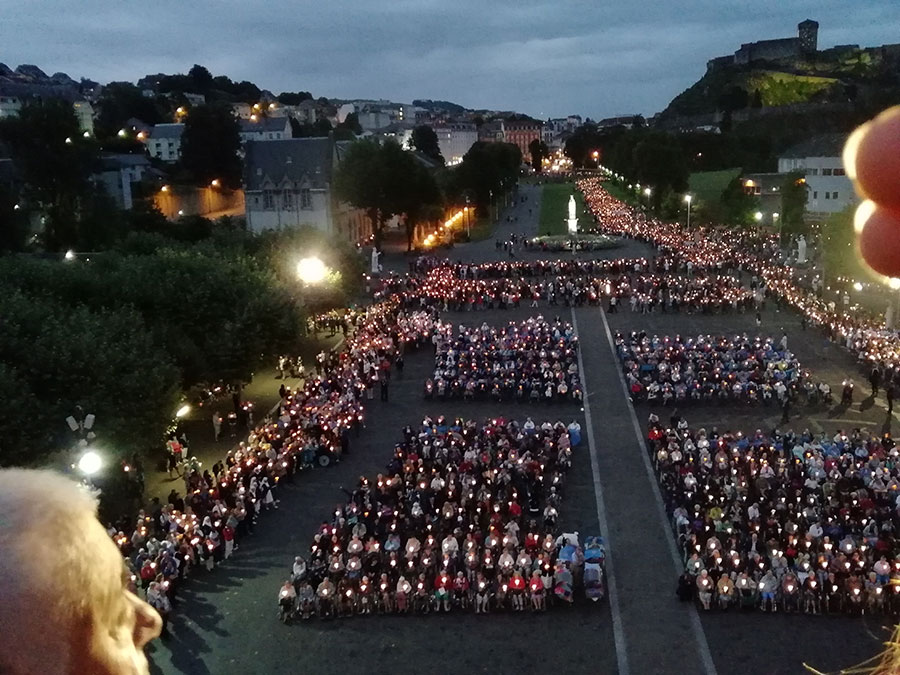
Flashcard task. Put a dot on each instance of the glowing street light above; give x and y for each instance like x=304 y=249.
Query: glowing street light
x=647 y=192
x=90 y=463
x=182 y=411
x=215 y=183
x=894 y=283
x=688 y=199
x=70 y=255
x=164 y=188
x=758 y=216
x=857 y=286
x=122 y=133
x=311 y=270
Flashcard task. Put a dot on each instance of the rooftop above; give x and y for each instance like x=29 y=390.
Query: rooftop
x=293 y=160
x=825 y=145
x=167 y=131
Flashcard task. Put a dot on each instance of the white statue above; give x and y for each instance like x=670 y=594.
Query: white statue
x=573 y=218
x=801 y=250
x=376 y=266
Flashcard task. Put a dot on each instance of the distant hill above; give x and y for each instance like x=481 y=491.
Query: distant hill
x=842 y=84
x=438 y=106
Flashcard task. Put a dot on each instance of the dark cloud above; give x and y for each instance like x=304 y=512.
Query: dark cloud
x=543 y=57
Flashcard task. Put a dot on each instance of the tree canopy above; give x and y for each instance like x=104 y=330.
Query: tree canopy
x=56 y=162
x=211 y=144
x=425 y=140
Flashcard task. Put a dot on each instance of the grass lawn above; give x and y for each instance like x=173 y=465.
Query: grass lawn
x=481 y=229
x=554 y=208
x=708 y=186
x=622 y=193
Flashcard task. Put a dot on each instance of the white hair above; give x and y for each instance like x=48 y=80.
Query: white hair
x=48 y=582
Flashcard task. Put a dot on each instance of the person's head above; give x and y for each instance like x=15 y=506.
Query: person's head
x=65 y=608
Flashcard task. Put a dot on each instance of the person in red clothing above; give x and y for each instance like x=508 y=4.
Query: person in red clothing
x=228 y=536
x=461 y=590
x=442 y=584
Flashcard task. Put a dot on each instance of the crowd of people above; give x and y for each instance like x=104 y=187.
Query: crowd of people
x=646 y=292
x=313 y=426
x=723 y=249
x=465 y=517
x=672 y=370
x=782 y=522
x=533 y=360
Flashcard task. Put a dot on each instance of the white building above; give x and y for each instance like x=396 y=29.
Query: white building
x=165 y=142
x=287 y=184
x=819 y=158
x=455 y=139
x=118 y=173
x=10 y=104
x=265 y=129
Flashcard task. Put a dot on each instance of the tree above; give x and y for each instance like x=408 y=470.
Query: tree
x=321 y=127
x=793 y=203
x=425 y=140
x=13 y=221
x=211 y=144
x=294 y=98
x=538 y=150
x=349 y=129
x=119 y=102
x=65 y=354
x=487 y=169
x=360 y=181
x=55 y=162
x=201 y=79
x=840 y=256
x=411 y=189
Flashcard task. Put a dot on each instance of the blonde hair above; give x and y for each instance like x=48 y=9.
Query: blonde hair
x=50 y=583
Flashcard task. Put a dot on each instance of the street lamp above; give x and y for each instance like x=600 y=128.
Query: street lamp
x=688 y=199
x=90 y=463
x=647 y=192
x=311 y=270
x=182 y=411
x=758 y=216
x=82 y=426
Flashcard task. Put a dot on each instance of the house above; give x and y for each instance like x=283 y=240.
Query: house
x=819 y=158
x=455 y=139
x=522 y=133
x=288 y=183
x=165 y=142
x=265 y=129
x=13 y=95
x=119 y=173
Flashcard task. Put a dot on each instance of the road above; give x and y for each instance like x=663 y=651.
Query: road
x=226 y=621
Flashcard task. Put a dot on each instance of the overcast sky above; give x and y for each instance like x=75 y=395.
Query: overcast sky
x=546 y=58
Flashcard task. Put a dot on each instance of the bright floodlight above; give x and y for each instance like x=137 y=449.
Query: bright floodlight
x=894 y=283
x=70 y=255
x=758 y=215
x=90 y=463
x=311 y=270
x=688 y=198
x=647 y=191
x=857 y=287
x=182 y=411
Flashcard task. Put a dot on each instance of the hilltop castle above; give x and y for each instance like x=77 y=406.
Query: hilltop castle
x=802 y=46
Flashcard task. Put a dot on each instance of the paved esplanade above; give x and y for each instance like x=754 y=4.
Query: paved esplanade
x=226 y=622
x=657 y=633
